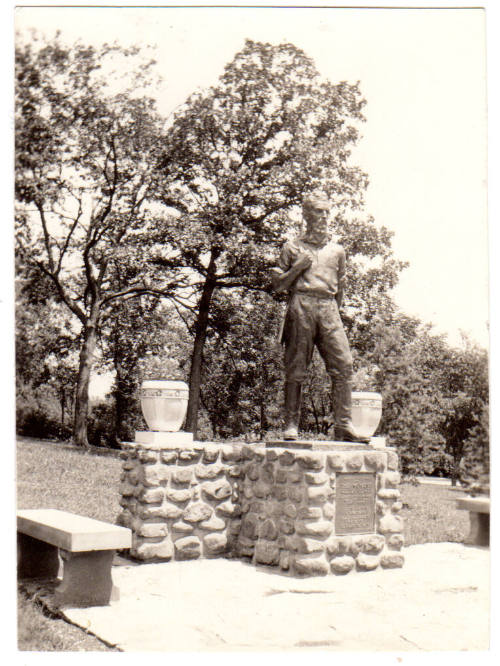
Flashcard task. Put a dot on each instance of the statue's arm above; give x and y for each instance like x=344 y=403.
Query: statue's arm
x=282 y=280
x=341 y=279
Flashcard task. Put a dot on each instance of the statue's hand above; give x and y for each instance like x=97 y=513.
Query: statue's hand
x=303 y=262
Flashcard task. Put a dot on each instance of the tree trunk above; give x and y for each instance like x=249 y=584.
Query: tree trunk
x=82 y=388
x=62 y=400
x=263 y=421
x=197 y=356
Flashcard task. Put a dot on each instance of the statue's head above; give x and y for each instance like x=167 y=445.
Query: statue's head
x=316 y=211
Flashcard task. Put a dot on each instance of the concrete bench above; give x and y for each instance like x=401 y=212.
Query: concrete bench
x=479 y=514
x=86 y=547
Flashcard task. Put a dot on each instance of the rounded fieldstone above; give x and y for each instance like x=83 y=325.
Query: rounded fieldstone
x=307 y=546
x=284 y=562
x=152 y=530
x=208 y=471
x=166 y=510
x=392 y=460
x=286 y=526
x=381 y=508
x=182 y=475
x=126 y=489
x=375 y=460
x=124 y=502
x=373 y=544
x=244 y=546
x=147 y=456
x=247 y=452
x=316 y=478
x=336 y=461
x=267 y=553
x=125 y=518
x=218 y=490
x=280 y=493
x=196 y=512
x=392 y=560
x=309 y=513
x=321 y=528
x=280 y=476
x=187 y=548
x=329 y=511
x=319 y=494
x=182 y=495
x=253 y=471
x=396 y=506
x=249 y=527
x=134 y=476
x=314 y=461
x=314 y=566
x=168 y=457
x=391 y=479
x=214 y=544
x=296 y=494
x=267 y=473
x=213 y=524
x=262 y=489
x=210 y=453
x=290 y=510
x=228 y=509
x=234 y=526
x=235 y=471
x=366 y=562
x=268 y=530
x=271 y=455
x=286 y=459
x=182 y=527
x=152 y=495
x=149 y=551
x=257 y=506
x=354 y=462
x=338 y=546
x=231 y=453
x=389 y=493
x=395 y=541
x=342 y=565
x=295 y=475
x=247 y=491
x=390 y=524
x=189 y=455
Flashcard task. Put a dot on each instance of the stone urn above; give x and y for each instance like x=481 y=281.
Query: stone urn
x=164 y=403
x=366 y=412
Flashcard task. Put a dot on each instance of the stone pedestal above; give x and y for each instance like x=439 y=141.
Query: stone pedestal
x=330 y=508
x=306 y=508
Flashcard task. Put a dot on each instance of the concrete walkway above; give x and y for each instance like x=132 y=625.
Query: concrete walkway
x=438 y=601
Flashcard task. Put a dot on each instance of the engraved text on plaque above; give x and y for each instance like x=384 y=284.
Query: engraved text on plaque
x=355 y=503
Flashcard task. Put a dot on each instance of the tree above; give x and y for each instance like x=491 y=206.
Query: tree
x=242 y=372
x=238 y=158
x=136 y=329
x=83 y=176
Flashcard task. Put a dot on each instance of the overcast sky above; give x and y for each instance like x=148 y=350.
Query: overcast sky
x=424 y=144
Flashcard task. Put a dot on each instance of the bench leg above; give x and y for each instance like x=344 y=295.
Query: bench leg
x=36 y=559
x=479 y=534
x=86 y=579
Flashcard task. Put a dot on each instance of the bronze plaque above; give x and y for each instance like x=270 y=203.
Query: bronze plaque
x=355 y=503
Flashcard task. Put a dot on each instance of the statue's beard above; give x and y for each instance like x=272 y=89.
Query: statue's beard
x=316 y=236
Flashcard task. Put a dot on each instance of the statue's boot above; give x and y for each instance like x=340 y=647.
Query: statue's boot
x=342 y=409
x=292 y=410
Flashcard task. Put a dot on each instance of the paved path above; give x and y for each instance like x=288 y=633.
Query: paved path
x=438 y=601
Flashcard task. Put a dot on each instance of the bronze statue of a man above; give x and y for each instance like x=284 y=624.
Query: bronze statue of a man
x=312 y=268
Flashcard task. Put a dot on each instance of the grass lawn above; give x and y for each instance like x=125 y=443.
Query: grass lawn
x=56 y=476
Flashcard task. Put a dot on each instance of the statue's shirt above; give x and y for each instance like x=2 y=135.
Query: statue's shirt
x=326 y=272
